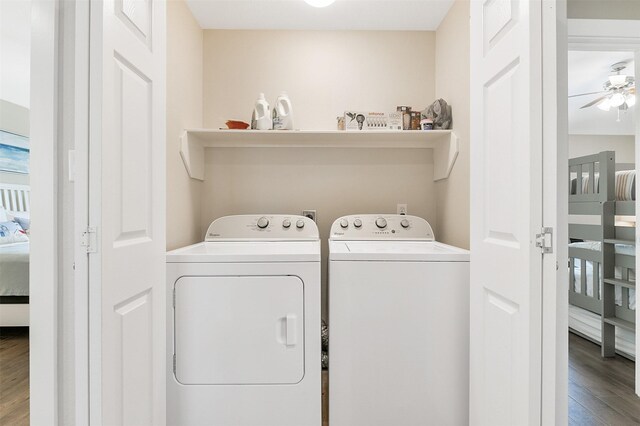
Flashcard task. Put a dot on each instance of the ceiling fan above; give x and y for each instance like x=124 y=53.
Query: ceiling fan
x=619 y=91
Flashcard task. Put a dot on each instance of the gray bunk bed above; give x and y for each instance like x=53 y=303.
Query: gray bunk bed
x=602 y=247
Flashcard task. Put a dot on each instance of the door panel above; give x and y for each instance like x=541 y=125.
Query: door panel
x=239 y=330
x=506 y=188
x=127 y=205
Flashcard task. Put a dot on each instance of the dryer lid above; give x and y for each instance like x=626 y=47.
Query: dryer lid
x=247 y=251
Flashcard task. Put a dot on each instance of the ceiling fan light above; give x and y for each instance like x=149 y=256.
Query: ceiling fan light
x=616 y=100
x=319 y=3
x=631 y=100
x=605 y=105
x=617 y=80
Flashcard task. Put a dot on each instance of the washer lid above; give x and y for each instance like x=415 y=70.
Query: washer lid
x=247 y=251
x=409 y=251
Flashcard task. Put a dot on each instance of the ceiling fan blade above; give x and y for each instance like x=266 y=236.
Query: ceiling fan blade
x=585 y=94
x=593 y=102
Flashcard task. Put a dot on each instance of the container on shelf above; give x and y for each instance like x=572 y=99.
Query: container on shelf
x=261 y=118
x=282 y=113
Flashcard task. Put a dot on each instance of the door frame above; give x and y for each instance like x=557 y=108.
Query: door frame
x=44 y=142
x=555 y=299
x=610 y=35
x=59 y=151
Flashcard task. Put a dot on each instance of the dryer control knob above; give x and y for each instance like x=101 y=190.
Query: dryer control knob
x=300 y=224
x=286 y=223
x=357 y=223
x=344 y=223
x=381 y=222
x=404 y=223
x=263 y=222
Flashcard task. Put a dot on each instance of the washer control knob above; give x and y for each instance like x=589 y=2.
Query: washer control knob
x=286 y=223
x=344 y=223
x=300 y=224
x=381 y=222
x=357 y=223
x=263 y=222
x=404 y=223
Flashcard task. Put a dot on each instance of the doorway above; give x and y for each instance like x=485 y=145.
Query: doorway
x=602 y=155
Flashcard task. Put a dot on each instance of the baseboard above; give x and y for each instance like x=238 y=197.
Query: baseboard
x=14 y=315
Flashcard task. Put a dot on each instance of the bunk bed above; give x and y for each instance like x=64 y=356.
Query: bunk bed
x=14 y=259
x=602 y=251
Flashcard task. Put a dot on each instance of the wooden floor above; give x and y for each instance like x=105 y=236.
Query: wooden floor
x=601 y=390
x=14 y=376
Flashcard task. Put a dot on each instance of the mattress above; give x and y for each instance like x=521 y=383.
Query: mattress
x=577 y=271
x=625 y=187
x=14 y=269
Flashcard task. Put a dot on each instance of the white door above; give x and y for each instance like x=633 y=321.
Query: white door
x=127 y=206
x=506 y=201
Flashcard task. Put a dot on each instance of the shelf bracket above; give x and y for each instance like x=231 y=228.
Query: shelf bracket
x=192 y=154
x=444 y=157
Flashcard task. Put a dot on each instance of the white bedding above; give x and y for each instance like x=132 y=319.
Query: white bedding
x=14 y=269
x=577 y=271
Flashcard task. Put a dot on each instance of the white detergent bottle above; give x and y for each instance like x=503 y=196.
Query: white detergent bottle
x=261 y=119
x=283 y=113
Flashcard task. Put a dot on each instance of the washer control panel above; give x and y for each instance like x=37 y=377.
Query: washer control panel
x=381 y=227
x=262 y=227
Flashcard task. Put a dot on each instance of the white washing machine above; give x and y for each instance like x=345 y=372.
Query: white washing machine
x=398 y=324
x=243 y=345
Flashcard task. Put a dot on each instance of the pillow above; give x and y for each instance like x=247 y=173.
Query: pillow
x=21 y=218
x=11 y=232
x=3 y=214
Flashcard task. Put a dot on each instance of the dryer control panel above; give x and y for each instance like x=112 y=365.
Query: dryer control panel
x=270 y=227
x=381 y=227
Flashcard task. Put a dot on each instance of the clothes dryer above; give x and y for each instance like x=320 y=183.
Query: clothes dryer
x=398 y=324
x=244 y=324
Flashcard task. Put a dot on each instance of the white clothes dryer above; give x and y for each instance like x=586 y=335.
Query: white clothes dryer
x=398 y=324
x=243 y=340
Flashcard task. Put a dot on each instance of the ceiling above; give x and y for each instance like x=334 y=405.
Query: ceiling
x=588 y=70
x=414 y=15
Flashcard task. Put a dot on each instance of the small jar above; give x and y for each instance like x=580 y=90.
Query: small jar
x=340 y=123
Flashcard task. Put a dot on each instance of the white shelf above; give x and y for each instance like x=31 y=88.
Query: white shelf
x=193 y=142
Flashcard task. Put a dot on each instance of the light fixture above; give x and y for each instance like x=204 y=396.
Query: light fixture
x=605 y=104
x=616 y=99
x=631 y=100
x=617 y=80
x=319 y=3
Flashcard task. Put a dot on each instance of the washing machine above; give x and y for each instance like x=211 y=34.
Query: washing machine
x=243 y=342
x=398 y=324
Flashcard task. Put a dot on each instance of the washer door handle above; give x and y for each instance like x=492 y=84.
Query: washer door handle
x=291 y=329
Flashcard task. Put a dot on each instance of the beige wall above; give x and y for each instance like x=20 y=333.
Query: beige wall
x=603 y=9
x=624 y=146
x=452 y=84
x=324 y=73
x=184 y=110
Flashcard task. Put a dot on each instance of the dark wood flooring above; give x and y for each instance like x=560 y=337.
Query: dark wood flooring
x=601 y=390
x=14 y=376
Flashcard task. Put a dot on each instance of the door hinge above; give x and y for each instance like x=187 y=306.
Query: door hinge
x=544 y=240
x=174 y=363
x=89 y=239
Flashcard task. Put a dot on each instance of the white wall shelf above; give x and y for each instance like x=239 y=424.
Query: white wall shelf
x=193 y=143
